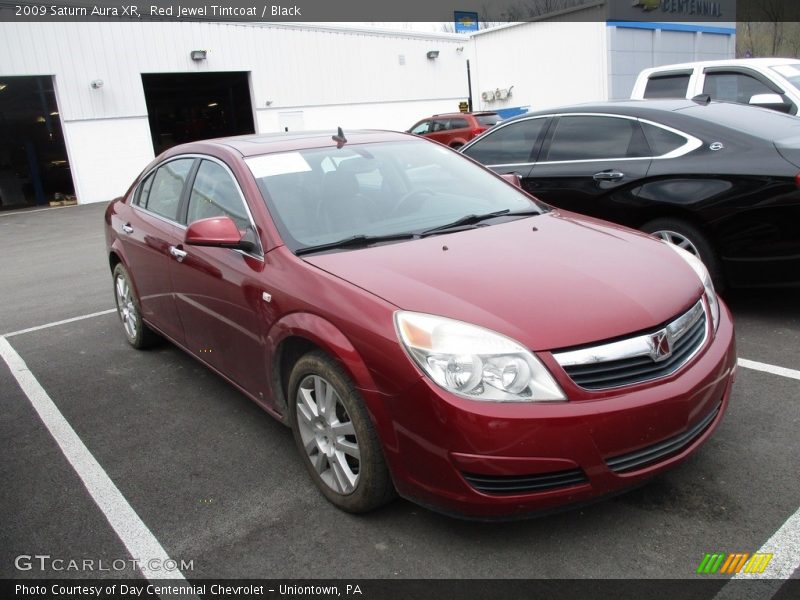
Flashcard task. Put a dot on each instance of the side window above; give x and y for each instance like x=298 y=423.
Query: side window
x=660 y=140
x=589 y=137
x=140 y=199
x=214 y=194
x=439 y=125
x=735 y=87
x=667 y=86
x=421 y=128
x=458 y=124
x=165 y=192
x=510 y=144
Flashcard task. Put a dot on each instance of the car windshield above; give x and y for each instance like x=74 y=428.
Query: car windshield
x=790 y=72
x=325 y=195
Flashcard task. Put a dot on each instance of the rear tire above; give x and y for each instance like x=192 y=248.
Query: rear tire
x=335 y=437
x=139 y=335
x=690 y=238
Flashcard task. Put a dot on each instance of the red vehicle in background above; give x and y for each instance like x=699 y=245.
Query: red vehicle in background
x=455 y=129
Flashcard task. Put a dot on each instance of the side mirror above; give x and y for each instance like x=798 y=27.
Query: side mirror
x=773 y=101
x=513 y=179
x=220 y=232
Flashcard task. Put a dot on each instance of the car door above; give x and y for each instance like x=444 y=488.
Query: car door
x=590 y=163
x=439 y=131
x=218 y=291
x=149 y=232
x=510 y=147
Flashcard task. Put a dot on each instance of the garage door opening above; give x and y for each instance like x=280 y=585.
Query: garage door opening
x=34 y=169
x=185 y=107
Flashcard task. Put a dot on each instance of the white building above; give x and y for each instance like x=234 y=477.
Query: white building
x=90 y=104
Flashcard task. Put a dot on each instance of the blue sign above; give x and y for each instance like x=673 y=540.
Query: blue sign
x=466 y=22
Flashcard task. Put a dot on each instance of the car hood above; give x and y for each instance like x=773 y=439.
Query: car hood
x=551 y=281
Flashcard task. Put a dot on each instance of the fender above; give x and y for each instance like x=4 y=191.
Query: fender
x=329 y=338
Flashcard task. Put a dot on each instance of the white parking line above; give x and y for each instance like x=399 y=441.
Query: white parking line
x=784 y=545
x=134 y=534
x=56 y=323
x=35 y=210
x=775 y=370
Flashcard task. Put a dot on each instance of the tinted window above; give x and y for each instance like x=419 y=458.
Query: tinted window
x=487 y=120
x=735 y=87
x=588 y=137
x=165 y=193
x=421 y=128
x=667 y=86
x=144 y=191
x=215 y=194
x=512 y=143
x=660 y=140
x=458 y=124
x=438 y=125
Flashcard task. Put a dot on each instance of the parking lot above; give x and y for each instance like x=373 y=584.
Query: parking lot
x=218 y=482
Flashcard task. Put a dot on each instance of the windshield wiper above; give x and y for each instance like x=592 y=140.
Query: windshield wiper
x=475 y=219
x=356 y=241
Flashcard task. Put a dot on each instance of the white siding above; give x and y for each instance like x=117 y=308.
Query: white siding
x=336 y=77
x=106 y=155
x=549 y=63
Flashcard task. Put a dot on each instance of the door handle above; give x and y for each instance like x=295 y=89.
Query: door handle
x=608 y=176
x=127 y=228
x=178 y=253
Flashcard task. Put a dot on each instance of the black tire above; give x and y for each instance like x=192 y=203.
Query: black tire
x=372 y=486
x=699 y=244
x=139 y=335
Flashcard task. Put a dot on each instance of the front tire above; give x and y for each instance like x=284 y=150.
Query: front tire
x=690 y=238
x=139 y=335
x=335 y=437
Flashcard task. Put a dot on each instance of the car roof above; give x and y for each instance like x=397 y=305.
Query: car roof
x=623 y=107
x=461 y=114
x=266 y=143
x=730 y=62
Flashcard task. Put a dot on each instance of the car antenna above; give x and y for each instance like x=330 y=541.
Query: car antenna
x=339 y=138
x=702 y=99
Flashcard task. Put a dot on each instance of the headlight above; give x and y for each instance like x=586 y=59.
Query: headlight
x=474 y=362
x=702 y=273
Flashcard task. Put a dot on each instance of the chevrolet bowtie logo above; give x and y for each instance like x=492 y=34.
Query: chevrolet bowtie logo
x=646 y=5
x=660 y=346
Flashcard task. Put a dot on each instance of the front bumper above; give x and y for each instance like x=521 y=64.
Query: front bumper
x=487 y=460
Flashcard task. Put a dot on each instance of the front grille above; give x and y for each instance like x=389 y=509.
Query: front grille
x=656 y=452
x=633 y=360
x=522 y=484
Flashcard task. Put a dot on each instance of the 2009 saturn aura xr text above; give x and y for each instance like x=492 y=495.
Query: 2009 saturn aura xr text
x=425 y=327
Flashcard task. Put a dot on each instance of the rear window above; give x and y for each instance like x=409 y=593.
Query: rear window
x=766 y=124
x=667 y=86
x=488 y=120
x=660 y=140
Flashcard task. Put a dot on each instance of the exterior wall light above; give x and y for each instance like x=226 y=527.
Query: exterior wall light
x=432 y=54
x=96 y=84
x=199 y=54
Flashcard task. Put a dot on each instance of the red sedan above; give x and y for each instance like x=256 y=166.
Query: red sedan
x=425 y=327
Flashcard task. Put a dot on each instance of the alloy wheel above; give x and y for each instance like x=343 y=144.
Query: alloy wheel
x=328 y=434
x=678 y=239
x=126 y=306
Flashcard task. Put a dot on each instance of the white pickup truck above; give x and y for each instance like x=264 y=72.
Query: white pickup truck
x=767 y=82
